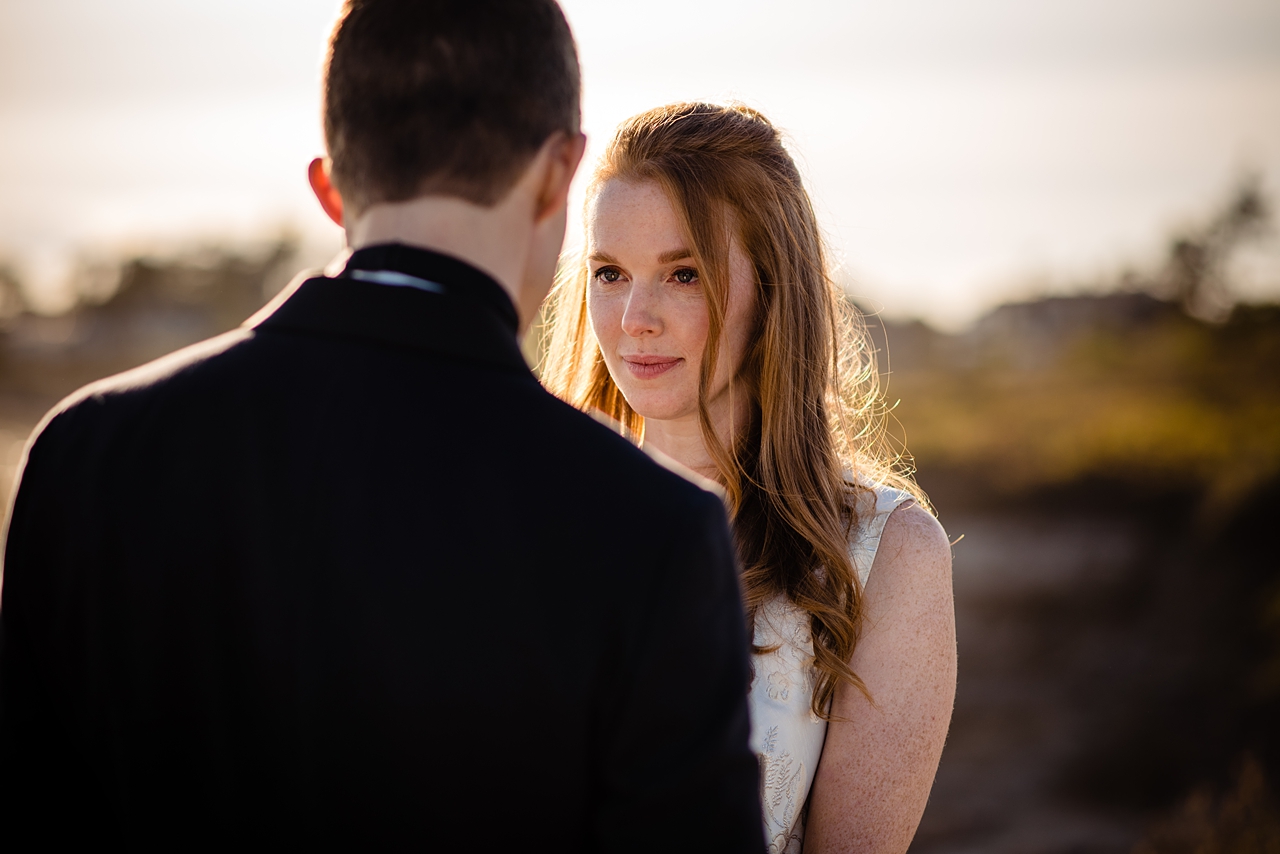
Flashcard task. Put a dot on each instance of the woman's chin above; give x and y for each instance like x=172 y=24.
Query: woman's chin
x=653 y=407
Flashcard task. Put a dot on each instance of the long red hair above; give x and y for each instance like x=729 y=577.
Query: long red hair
x=815 y=438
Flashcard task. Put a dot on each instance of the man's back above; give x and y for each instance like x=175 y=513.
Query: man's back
x=353 y=576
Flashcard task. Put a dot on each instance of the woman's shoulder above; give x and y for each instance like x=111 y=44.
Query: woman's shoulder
x=886 y=513
x=912 y=535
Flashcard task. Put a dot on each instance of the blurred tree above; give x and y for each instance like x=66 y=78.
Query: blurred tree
x=1195 y=269
x=12 y=303
x=131 y=310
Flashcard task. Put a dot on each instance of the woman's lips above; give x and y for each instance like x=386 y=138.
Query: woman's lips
x=648 y=367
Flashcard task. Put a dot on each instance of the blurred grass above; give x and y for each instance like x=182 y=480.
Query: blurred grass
x=1245 y=820
x=1123 y=408
x=1175 y=404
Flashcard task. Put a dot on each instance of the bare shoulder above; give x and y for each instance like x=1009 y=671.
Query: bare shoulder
x=881 y=752
x=913 y=542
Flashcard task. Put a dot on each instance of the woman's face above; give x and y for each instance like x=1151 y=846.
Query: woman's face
x=647 y=306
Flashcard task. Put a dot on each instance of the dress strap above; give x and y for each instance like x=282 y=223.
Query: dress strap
x=871 y=521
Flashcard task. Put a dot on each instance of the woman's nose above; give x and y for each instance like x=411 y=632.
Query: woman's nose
x=641 y=317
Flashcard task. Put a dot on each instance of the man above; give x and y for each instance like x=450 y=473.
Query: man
x=348 y=576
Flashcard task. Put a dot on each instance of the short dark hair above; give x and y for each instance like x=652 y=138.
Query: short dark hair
x=445 y=97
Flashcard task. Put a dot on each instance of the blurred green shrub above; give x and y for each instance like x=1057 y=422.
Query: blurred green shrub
x=1165 y=402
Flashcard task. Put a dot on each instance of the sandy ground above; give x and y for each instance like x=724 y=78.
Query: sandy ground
x=1015 y=728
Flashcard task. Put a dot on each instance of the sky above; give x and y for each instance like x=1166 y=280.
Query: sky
x=959 y=152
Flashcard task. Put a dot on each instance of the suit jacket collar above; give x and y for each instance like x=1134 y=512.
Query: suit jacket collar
x=473 y=319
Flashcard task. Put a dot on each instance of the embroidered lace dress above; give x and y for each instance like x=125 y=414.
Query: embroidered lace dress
x=785 y=734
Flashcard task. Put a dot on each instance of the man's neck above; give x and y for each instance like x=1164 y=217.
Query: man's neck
x=494 y=240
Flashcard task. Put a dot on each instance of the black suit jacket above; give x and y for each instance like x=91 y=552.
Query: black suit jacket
x=351 y=576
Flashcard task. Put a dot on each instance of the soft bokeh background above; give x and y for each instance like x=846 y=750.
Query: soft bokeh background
x=1059 y=215
x=960 y=152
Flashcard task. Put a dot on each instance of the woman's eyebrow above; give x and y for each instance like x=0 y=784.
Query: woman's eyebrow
x=674 y=255
x=664 y=258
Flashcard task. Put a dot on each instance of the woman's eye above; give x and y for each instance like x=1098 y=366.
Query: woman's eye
x=608 y=274
x=685 y=275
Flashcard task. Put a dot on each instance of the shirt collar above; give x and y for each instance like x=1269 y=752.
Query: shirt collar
x=458 y=278
x=469 y=316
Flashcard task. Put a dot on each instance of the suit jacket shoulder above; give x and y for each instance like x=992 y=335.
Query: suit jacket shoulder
x=303 y=579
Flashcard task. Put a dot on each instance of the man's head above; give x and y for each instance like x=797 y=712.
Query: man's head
x=453 y=125
x=444 y=97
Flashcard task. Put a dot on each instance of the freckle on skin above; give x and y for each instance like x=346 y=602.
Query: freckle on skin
x=874 y=778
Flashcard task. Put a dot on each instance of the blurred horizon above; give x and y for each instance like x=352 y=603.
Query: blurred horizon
x=960 y=155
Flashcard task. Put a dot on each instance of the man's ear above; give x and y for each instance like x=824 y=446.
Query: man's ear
x=330 y=200
x=564 y=153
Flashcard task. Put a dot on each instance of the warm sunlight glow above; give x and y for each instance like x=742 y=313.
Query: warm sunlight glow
x=959 y=154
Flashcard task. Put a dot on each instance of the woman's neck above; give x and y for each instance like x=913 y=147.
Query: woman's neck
x=682 y=439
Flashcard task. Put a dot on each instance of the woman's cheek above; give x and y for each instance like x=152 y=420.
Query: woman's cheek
x=603 y=322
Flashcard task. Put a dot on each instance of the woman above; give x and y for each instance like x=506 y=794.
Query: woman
x=705 y=323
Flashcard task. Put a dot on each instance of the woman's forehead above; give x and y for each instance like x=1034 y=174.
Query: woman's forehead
x=627 y=212
x=620 y=195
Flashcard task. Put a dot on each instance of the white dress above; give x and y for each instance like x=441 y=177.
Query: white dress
x=785 y=734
